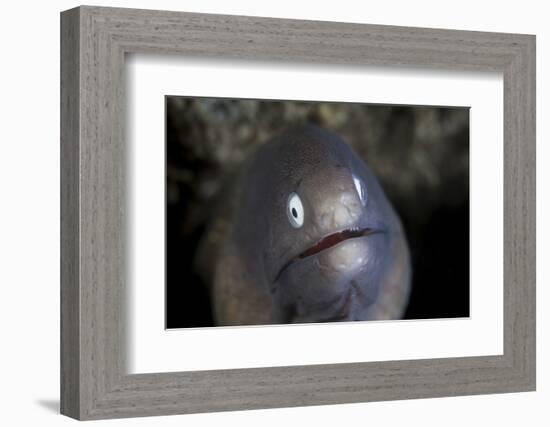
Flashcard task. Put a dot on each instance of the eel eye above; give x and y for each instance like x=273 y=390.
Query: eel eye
x=360 y=190
x=295 y=211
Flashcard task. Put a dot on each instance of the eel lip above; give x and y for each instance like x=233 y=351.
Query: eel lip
x=335 y=238
x=328 y=242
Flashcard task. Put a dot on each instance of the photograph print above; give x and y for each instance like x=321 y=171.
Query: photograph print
x=292 y=212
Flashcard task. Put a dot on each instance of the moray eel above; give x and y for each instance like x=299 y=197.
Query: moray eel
x=306 y=235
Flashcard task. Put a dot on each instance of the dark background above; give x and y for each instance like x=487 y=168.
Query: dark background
x=420 y=155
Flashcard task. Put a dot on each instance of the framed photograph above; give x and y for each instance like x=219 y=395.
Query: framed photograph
x=263 y=213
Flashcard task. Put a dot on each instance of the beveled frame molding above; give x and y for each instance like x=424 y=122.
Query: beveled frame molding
x=94 y=41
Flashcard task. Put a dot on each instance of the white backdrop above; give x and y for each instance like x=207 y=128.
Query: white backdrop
x=152 y=349
x=29 y=217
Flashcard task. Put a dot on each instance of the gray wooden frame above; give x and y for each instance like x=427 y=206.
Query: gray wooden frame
x=94 y=41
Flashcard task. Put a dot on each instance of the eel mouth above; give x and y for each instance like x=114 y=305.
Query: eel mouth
x=328 y=242
x=335 y=238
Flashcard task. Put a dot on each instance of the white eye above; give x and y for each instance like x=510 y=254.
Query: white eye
x=295 y=211
x=360 y=190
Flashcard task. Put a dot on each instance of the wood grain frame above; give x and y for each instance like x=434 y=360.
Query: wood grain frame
x=94 y=41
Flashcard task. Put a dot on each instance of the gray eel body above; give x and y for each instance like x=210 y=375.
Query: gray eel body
x=306 y=234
